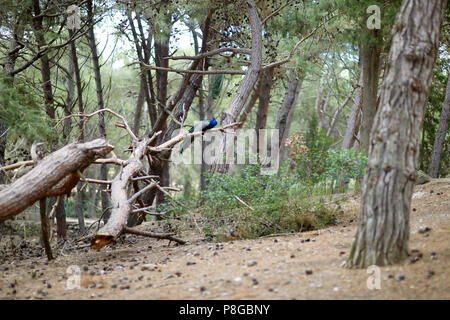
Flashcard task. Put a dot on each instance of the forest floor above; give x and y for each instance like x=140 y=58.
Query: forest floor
x=295 y=266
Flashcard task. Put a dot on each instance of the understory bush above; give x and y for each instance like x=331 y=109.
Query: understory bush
x=246 y=204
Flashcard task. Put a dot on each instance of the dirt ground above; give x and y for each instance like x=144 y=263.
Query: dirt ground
x=295 y=266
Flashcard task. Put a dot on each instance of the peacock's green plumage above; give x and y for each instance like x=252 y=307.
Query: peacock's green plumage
x=216 y=85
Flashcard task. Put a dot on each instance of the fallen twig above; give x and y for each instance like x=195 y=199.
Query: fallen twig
x=167 y=236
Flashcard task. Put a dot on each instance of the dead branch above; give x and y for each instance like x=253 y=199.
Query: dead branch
x=125 y=124
x=88 y=180
x=142 y=191
x=183 y=136
x=168 y=236
x=150 y=67
x=17 y=165
x=210 y=53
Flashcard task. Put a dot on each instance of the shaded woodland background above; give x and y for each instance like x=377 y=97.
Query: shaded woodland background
x=163 y=63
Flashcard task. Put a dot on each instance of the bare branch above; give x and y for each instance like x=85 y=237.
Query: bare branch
x=150 y=67
x=181 y=137
x=210 y=53
x=168 y=236
x=142 y=191
x=126 y=126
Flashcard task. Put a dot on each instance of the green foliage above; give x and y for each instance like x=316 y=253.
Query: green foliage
x=345 y=164
x=310 y=166
x=23 y=115
x=249 y=205
x=432 y=116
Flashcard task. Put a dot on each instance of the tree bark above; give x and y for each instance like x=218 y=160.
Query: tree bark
x=338 y=111
x=370 y=59
x=54 y=175
x=354 y=119
x=440 y=135
x=45 y=65
x=74 y=63
x=121 y=206
x=383 y=224
x=246 y=85
x=286 y=113
x=44 y=229
x=8 y=68
x=100 y=103
x=251 y=103
x=143 y=91
x=264 y=100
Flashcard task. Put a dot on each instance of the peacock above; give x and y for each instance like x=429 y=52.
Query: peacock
x=200 y=126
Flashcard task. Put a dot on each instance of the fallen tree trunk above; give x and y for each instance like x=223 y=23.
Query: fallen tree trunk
x=121 y=205
x=55 y=175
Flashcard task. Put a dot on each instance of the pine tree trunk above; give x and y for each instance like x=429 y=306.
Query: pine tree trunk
x=76 y=68
x=264 y=100
x=354 y=119
x=440 y=135
x=370 y=59
x=246 y=85
x=383 y=224
x=100 y=103
x=286 y=112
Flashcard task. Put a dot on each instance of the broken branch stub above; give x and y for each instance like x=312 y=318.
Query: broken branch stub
x=54 y=175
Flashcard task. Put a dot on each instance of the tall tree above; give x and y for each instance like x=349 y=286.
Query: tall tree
x=286 y=112
x=370 y=59
x=264 y=100
x=440 y=135
x=100 y=102
x=247 y=84
x=354 y=119
x=383 y=224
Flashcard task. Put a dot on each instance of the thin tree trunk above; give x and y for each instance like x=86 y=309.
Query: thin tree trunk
x=48 y=94
x=100 y=103
x=264 y=100
x=188 y=90
x=370 y=59
x=286 y=113
x=383 y=225
x=45 y=65
x=139 y=105
x=338 y=111
x=8 y=68
x=246 y=85
x=44 y=229
x=143 y=91
x=74 y=63
x=440 y=135
x=354 y=119
x=326 y=104
x=202 y=116
x=251 y=103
